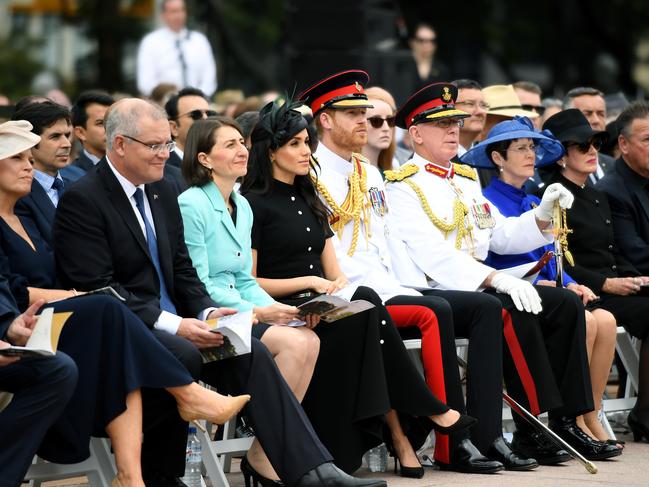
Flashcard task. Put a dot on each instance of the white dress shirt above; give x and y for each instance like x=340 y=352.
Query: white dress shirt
x=46 y=181
x=168 y=322
x=431 y=257
x=158 y=61
x=371 y=264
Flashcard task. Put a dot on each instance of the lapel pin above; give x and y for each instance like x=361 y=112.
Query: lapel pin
x=155 y=196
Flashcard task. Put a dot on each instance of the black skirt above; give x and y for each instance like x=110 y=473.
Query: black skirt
x=116 y=354
x=631 y=312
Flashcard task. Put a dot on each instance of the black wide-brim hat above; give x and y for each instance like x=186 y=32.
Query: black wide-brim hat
x=572 y=126
x=341 y=90
x=432 y=102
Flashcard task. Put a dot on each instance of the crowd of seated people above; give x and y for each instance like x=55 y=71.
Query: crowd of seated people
x=420 y=209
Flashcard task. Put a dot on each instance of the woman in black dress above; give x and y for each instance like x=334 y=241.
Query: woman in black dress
x=294 y=267
x=114 y=351
x=597 y=262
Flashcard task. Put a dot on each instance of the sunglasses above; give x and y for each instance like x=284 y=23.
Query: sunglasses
x=540 y=109
x=425 y=40
x=377 y=122
x=584 y=147
x=199 y=114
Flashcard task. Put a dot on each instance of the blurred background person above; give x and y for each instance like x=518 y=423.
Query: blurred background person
x=529 y=93
x=88 y=112
x=423 y=45
x=470 y=99
x=381 y=145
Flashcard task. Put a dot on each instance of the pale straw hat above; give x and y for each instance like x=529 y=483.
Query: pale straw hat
x=503 y=100
x=16 y=136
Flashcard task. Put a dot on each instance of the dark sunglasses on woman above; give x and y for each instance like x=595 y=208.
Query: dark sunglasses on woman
x=377 y=122
x=584 y=147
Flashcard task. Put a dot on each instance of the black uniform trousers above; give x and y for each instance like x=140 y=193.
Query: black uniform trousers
x=41 y=388
x=280 y=425
x=545 y=360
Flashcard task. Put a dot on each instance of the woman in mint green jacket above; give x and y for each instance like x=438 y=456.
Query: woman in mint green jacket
x=217 y=224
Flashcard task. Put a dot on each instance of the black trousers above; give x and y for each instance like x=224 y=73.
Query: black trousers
x=545 y=359
x=41 y=388
x=280 y=424
x=476 y=316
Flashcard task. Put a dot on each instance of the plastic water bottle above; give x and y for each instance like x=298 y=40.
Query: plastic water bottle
x=377 y=459
x=193 y=460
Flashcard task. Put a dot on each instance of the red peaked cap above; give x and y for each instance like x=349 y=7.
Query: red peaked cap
x=432 y=102
x=341 y=90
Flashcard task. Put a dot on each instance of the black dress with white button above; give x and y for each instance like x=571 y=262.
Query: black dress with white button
x=363 y=369
x=597 y=258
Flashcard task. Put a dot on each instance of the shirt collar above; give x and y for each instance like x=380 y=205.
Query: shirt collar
x=432 y=168
x=128 y=187
x=44 y=179
x=179 y=152
x=629 y=173
x=181 y=34
x=93 y=158
x=330 y=160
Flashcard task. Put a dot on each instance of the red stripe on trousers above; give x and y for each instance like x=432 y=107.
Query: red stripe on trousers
x=520 y=363
x=431 y=353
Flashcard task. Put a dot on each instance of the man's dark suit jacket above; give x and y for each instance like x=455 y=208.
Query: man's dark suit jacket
x=8 y=307
x=39 y=207
x=83 y=162
x=98 y=242
x=628 y=195
x=174 y=159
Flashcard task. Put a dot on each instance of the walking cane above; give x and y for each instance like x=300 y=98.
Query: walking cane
x=534 y=421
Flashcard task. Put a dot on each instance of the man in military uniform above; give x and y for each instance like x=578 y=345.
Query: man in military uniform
x=354 y=191
x=448 y=227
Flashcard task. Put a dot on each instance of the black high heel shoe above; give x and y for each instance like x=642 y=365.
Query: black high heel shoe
x=408 y=472
x=465 y=421
x=639 y=429
x=250 y=473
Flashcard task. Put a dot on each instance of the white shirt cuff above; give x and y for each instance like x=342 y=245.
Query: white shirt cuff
x=205 y=313
x=168 y=322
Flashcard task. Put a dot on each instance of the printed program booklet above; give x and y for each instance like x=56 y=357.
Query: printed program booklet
x=236 y=330
x=45 y=336
x=331 y=308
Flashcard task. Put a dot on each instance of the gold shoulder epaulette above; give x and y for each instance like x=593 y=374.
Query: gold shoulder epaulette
x=465 y=171
x=402 y=173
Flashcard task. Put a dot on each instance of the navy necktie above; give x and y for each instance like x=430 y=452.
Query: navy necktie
x=59 y=186
x=165 y=301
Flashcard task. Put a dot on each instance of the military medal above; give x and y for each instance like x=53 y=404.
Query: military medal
x=482 y=216
x=377 y=198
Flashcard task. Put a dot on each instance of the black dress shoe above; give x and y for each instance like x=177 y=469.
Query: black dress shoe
x=464 y=421
x=466 y=458
x=328 y=475
x=253 y=478
x=538 y=446
x=639 y=429
x=572 y=434
x=500 y=451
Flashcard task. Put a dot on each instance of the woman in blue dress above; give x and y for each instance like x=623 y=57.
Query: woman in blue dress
x=516 y=149
x=114 y=351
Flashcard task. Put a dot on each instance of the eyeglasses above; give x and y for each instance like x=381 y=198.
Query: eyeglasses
x=199 y=114
x=155 y=148
x=540 y=109
x=447 y=123
x=584 y=147
x=523 y=149
x=470 y=104
x=426 y=40
x=377 y=122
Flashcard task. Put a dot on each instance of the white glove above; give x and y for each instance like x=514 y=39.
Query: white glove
x=522 y=292
x=554 y=192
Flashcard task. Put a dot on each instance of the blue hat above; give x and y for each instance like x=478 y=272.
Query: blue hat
x=548 y=149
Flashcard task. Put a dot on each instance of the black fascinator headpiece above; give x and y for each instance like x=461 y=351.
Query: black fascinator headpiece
x=278 y=122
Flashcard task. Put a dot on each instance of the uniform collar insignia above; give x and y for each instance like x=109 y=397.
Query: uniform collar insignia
x=442 y=172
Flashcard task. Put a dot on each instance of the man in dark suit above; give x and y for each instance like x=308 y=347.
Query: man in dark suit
x=41 y=388
x=50 y=158
x=627 y=186
x=121 y=226
x=183 y=109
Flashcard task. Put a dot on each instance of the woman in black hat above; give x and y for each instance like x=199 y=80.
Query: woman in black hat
x=362 y=358
x=597 y=261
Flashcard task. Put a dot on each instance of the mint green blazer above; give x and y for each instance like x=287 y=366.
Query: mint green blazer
x=221 y=251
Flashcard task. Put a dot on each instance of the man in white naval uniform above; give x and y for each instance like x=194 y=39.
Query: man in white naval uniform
x=448 y=227
x=354 y=192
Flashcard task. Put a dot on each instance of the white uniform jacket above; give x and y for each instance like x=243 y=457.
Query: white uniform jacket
x=431 y=256
x=370 y=264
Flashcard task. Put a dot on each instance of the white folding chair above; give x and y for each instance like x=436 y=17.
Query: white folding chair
x=99 y=468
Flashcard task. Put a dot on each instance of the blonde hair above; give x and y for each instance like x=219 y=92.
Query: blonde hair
x=386 y=155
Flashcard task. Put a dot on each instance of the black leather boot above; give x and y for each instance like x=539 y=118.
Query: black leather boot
x=328 y=475
x=500 y=451
x=566 y=427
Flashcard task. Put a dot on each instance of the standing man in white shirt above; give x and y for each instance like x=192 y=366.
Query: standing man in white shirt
x=448 y=227
x=174 y=54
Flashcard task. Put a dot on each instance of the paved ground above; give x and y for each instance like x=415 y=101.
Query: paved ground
x=629 y=470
